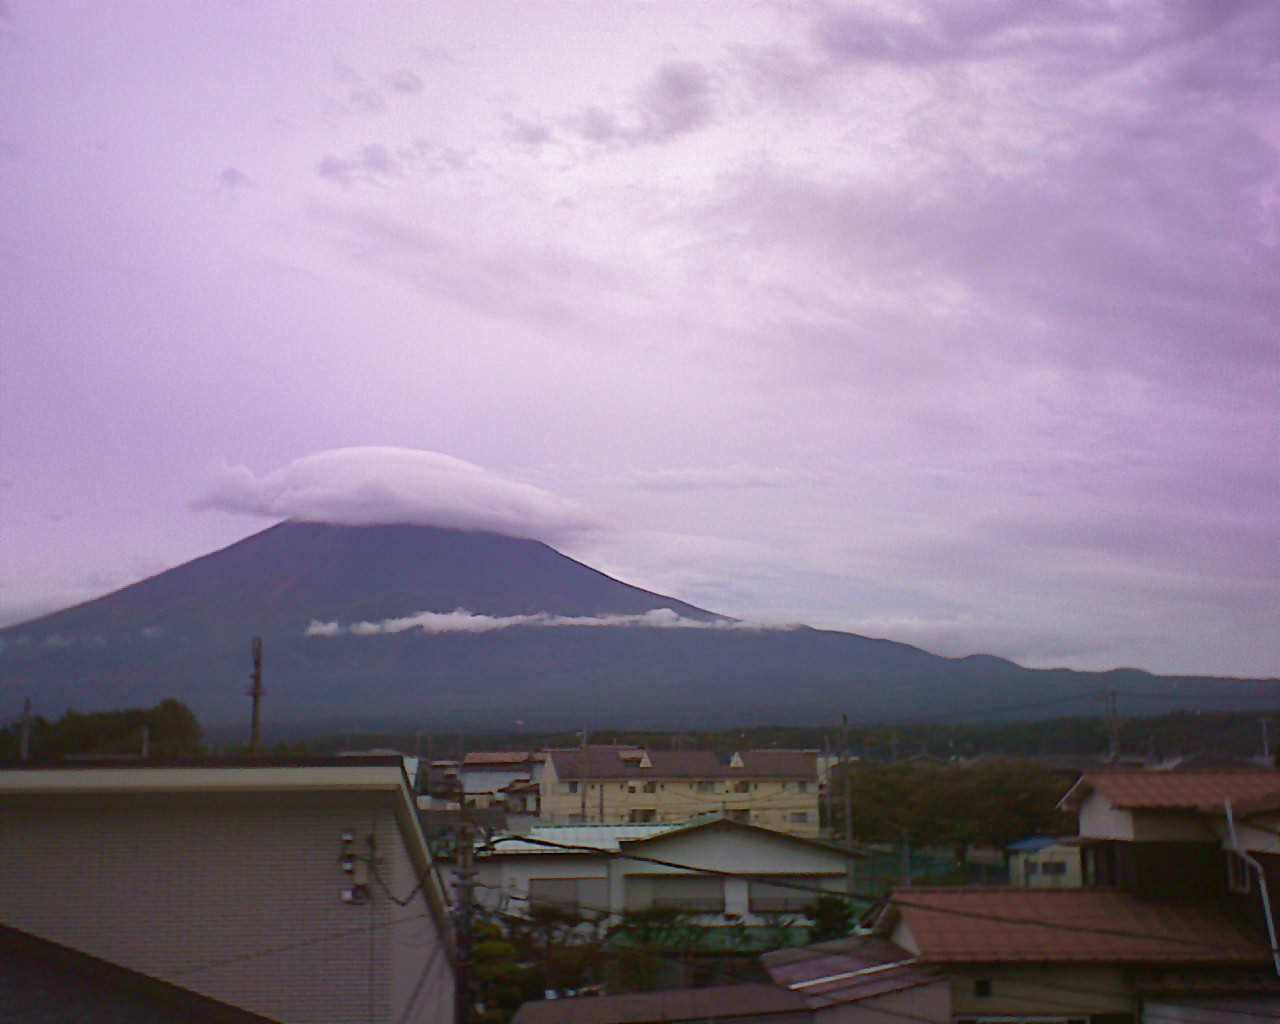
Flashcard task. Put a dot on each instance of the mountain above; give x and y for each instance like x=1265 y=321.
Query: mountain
x=185 y=633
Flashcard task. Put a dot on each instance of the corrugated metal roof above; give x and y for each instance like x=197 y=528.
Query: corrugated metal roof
x=719 y=1002
x=598 y=837
x=848 y=971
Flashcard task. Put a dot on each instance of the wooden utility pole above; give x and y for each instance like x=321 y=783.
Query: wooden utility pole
x=582 y=780
x=831 y=788
x=255 y=691
x=1113 y=727
x=848 y=805
x=465 y=851
x=24 y=739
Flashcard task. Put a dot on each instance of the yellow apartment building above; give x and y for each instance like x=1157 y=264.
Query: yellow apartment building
x=776 y=789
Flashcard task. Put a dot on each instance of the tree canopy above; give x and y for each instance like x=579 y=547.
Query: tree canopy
x=172 y=732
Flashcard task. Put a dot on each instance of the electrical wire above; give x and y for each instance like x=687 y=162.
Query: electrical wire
x=873 y=898
x=1036 y=983
x=300 y=944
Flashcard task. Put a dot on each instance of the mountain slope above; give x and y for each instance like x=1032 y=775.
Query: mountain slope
x=185 y=633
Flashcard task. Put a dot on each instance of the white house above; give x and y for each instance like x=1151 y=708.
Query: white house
x=1042 y=862
x=723 y=871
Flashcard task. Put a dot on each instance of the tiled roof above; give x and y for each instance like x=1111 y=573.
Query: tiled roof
x=791 y=764
x=487 y=757
x=1171 y=791
x=686 y=1004
x=610 y=763
x=987 y=925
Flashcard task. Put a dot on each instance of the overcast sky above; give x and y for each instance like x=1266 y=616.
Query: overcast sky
x=951 y=323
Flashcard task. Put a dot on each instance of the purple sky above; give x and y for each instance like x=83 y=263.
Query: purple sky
x=951 y=323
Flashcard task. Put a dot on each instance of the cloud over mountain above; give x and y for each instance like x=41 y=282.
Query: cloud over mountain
x=462 y=621
x=374 y=485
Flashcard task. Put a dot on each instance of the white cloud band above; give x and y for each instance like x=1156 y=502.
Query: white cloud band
x=462 y=621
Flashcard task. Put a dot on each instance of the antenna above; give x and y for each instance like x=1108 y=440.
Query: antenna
x=256 y=691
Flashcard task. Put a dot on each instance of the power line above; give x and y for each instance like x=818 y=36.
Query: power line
x=861 y=896
x=300 y=944
x=683 y=959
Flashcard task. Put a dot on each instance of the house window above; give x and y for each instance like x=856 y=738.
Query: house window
x=576 y=896
x=571 y=787
x=651 y=787
x=1054 y=867
x=1238 y=880
x=706 y=787
x=640 y=815
x=743 y=815
x=799 y=817
x=787 y=894
x=742 y=787
x=803 y=787
x=694 y=893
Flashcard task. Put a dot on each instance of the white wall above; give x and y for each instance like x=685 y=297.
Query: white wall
x=723 y=848
x=1099 y=820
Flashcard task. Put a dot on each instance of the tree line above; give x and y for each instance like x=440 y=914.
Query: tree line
x=170 y=728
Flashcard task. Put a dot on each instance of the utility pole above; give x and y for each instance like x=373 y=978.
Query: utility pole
x=24 y=741
x=146 y=741
x=582 y=773
x=255 y=691
x=848 y=805
x=1113 y=726
x=466 y=873
x=831 y=788
x=1266 y=740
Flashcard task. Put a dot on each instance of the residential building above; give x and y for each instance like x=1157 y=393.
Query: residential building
x=1162 y=833
x=849 y=981
x=292 y=892
x=486 y=775
x=722 y=871
x=1067 y=954
x=775 y=789
x=1042 y=862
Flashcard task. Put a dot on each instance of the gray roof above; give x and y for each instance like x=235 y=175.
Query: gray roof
x=722 y=1003
x=621 y=763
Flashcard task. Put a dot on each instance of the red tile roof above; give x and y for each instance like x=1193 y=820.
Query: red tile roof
x=1172 y=791
x=978 y=925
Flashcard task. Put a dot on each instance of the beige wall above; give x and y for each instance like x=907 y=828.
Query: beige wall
x=769 y=803
x=235 y=896
x=923 y=1003
x=1061 y=990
